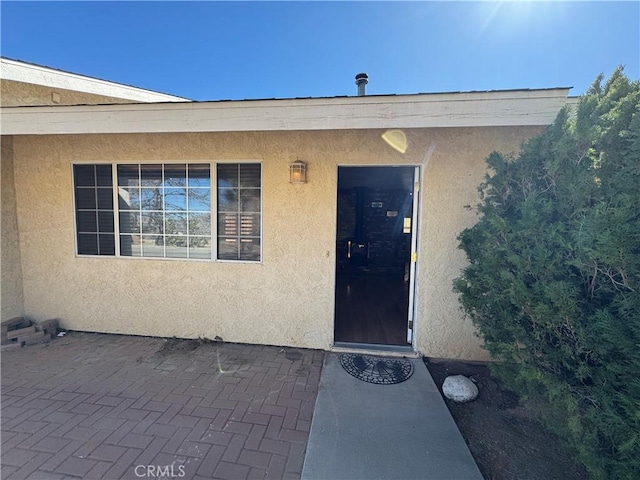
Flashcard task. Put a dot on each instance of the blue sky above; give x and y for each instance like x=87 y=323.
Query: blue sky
x=237 y=50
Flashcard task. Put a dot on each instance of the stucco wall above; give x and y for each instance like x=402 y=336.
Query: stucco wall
x=18 y=93
x=288 y=299
x=11 y=287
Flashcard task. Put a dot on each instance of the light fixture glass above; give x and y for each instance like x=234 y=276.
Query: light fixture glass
x=396 y=139
x=298 y=172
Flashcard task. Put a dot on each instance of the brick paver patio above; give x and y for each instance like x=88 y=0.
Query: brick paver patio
x=100 y=406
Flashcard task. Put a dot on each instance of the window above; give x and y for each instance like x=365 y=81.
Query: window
x=94 y=209
x=239 y=211
x=165 y=210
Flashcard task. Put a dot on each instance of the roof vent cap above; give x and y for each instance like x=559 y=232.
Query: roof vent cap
x=361 y=80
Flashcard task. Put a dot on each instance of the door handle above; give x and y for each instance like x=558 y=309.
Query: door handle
x=349 y=249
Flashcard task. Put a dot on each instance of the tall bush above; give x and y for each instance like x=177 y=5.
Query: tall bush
x=553 y=281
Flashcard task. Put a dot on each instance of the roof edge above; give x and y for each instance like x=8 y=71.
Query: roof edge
x=488 y=109
x=25 y=72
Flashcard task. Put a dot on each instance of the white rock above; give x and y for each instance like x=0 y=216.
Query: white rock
x=459 y=389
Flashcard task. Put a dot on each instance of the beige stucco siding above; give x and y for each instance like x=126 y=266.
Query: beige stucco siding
x=14 y=93
x=287 y=299
x=11 y=288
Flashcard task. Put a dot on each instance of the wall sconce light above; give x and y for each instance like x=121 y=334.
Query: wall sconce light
x=298 y=172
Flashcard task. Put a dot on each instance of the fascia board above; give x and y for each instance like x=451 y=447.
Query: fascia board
x=37 y=75
x=512 y=108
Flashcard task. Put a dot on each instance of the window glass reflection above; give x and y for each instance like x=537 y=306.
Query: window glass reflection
x=151 y=199
x=128 y=175
x=150 y=175
x=200 y=199
x=200 y=247
x=175 y=175
x=250 y=249
x=176 y=224
x=152 y=223
x=199 y=175
x=129 y=222
x=199 y=223
x=129 y=198
x=227 y=200
x=152 y=245
x=175 y=199
x=250 y=200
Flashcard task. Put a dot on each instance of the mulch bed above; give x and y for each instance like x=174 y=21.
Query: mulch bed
x=506 y=440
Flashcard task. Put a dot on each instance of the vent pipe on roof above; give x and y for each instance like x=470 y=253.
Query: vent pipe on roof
x=361 y=80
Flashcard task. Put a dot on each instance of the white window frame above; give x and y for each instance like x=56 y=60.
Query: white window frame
x=213 y=209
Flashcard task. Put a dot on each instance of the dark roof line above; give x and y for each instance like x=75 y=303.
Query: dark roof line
x=389 y=94
x=290 y=98
x=311 y=98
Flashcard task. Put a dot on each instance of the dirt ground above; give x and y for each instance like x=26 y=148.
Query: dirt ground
x=504 y=438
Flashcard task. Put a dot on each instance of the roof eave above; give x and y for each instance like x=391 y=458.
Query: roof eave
x=30 y=73
x=471 y=109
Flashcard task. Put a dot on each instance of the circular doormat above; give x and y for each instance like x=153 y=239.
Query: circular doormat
x=377 y=370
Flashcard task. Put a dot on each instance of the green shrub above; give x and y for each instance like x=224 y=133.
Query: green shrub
x=553 y=281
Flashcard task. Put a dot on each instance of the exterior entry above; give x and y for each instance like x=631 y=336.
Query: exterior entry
x=374 y=262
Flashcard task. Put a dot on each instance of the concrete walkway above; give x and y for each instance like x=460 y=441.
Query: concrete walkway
x=400 y=432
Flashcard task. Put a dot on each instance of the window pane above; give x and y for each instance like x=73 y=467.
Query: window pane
x=227 y=200
x=130 y=246
x=175 y=175
x=152 y=246
x=200 y=199
x=176 y=247
x=105 y=198
x=128 y=175
x=228 y=224
x=199 y=247
x=107 y=244
x=84 y=175
x=103 y=174
x=227 y=175
x=152 y=223
x=87 y=244
x=250 y=200
x=199 y=224
x=176 y=224
x=86 y=198
x=105 y=221
x=250 y=175
x=250 y=224
x=228 y=248
x=250 y=249
x=150 y=175
x=175 y=199
x=151 y=199
x=87 y=222
x=129 y=222
x=199 y=175
x=129 y=198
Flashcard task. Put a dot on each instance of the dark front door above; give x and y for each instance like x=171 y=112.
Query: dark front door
x=373 y=254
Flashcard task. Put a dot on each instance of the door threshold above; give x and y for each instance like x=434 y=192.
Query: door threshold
x=374 y=347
